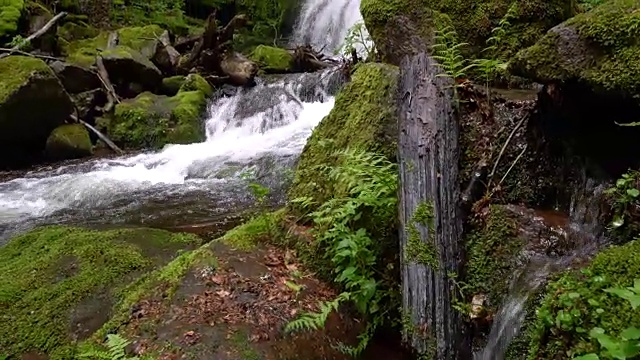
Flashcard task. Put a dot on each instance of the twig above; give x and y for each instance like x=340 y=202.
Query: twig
x=14 y=51
x=504 y=147
x=100 y=135
x=36 y=34
x=512 y=165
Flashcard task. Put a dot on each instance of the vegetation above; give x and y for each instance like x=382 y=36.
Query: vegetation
x=115 y=350
x=345 y=231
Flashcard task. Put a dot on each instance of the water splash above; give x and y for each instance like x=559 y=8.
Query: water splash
x=252 y=128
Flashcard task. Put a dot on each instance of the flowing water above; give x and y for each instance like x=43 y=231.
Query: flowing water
x=576 y=238
x=324 y=24
x=263 y=128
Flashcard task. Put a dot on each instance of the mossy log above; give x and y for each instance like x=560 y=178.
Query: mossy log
x=430 y=216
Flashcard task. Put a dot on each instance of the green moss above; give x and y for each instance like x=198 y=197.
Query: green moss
x=72 y=31
x=171 y=85
x=10 y=12
x=604 y=55
x=419 y=250
x=473 y=20
x=51 y=274
x=269 y=20
x=69 y=141
x=196 y=82
x=15 y=71
x=491 y=248
x=141 y=39
x=260 y=228
x=364 y=116
x=152 y=121
x=576 y=303
x=272 y=59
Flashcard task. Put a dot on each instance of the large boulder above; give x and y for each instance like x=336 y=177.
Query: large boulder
x=69 y=141
x=10 y=12
x=364 y=116
x=60 y=284
x=33 y=102
x=76 y=79
x=126 y=66
x=598 y=49
x=272 y=59
x=152 y=121
x=405 y=27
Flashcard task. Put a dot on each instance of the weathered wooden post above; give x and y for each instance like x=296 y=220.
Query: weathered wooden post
x=430 y=218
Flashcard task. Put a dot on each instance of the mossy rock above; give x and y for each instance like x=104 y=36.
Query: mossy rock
x=577 y=302
x=272 y=59
x=171 y=85
x=126 y=66
x=69 y=142
x=141 y=39
x=152 y=121
x=364 y=116
x=24 y=128
x=60 y=283
x=598 y=49
x=72 y=31
x=10 y=12
x=195 y=82
x=405 y=27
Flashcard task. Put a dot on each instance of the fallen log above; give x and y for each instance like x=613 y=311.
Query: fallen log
x=36 y=34
x=100 y=135
x=14 y=51
x=308 y=60
x=429 y=209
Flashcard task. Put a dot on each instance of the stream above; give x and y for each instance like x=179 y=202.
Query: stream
x=260 y=131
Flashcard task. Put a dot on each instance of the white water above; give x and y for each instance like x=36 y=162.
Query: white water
x=324 y=24
x=235 y=138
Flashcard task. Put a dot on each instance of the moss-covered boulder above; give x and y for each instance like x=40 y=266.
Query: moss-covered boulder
x=598 y=49
x=195 y=82
x=272 y=59
x=32 y=104
x=364 y=116
x=404 y=27
x=69 y=142
x=126 y=66
x=172 y=84
x=579 y=301
x=140 y=39
x=152 y=121
x=59 y=283
x=10 y=11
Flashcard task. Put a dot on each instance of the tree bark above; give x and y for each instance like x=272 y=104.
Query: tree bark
x=428 y=153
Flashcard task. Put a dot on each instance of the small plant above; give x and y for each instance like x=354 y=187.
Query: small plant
x=447 y=52
x=357 y=36
x=627 y=344
x=368 y=182
x=116 y=345
x=624 y=194
x=259 y=191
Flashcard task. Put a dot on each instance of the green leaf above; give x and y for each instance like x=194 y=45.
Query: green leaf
x=631 y=333
x=633 y=192
x=587 y=357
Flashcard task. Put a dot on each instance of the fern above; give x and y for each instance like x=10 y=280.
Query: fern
x=447 y=52
x=365 y=186
x=116 y=345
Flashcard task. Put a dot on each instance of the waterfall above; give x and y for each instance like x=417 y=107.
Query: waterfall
x=324 y=24
x=180 y=183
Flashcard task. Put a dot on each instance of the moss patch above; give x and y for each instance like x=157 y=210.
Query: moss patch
x=171 y=85
x=152 y=121
x=491 y=248
x=10 y=12
x=576 y=303
x=69 y=141
x=420 y=250
x=272 y=59
x=598 y=48
x=260 y=228
x=195 y=82
x=50 y=275
x=364 y=116
x=16 y=71
x=141 y=39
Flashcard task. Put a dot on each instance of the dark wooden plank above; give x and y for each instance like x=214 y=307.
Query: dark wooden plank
x=428 y=152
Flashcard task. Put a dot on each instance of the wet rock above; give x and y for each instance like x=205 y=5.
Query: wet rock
x=74 y=78
x=595 y=49
x=171 y=85
x=166 y=56
x=126 y=65
x=32 y=103
x=69 y=142
x=241 y=71
x=88 y=103
x=478 y=310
